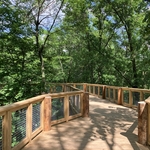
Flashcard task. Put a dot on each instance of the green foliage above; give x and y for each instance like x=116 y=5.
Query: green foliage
x=97 y=41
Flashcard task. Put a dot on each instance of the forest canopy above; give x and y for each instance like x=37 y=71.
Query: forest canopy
x=94 y=41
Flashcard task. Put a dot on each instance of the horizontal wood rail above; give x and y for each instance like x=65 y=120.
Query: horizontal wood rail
x=22 y=121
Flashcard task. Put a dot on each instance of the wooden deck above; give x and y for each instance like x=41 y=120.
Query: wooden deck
x=109 y=127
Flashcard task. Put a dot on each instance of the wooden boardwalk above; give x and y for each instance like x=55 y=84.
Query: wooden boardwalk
x=109 y=127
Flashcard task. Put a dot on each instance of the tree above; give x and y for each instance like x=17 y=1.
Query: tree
x=16 y=52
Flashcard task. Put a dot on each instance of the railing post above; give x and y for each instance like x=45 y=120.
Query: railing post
x=7 y=131
x=47 y=113
x=98 y=91
x=114 y=95
x=103 y=95
x=85 y=87
x=141 y=96
x=148 y=124
x=65 y=88
x=94 y=90
x=66 y=108
x=142 y=122
x=108 y=93
x=120 y=96
x=85 y=112
x=29 y=122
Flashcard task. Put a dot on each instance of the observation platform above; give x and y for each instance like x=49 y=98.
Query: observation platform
x=109 y=127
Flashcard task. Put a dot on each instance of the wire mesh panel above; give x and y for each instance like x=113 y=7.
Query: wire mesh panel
x=126 y=96
x=57 y=108
x=74 y=105
x=111 y=94
x=79 y=87
x=146 y=95
x=101 y=91
x=107 y=92
x=68 y=88
x=59 y=89
x=136 y=97
x=116 y=94
x=18 y=126
x=91 y=89
x=1 y=133
x=96 y=90
x=87 y=89
x=36 y=116
x=52 y=88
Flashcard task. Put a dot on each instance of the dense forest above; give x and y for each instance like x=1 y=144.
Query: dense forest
x=94 y=41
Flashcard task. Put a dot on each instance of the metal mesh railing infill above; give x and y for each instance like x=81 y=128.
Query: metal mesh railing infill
x=111 y=94
x=79 y=87
x=91 y=89
x=74 y=105
x=101 y=91
x=18 y=126
x=59 y=89
x=116 y=94
x=96 y=90
x=107 y=94
x=36 y=116
x=136 y=97
x=57 y=108
x=126 y=96
x=146 y=95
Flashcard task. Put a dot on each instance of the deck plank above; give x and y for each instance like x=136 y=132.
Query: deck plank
x=109 y=127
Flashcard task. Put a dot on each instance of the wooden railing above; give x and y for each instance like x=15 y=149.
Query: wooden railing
x=125 y=96
x=22 y=121
x=128 y=97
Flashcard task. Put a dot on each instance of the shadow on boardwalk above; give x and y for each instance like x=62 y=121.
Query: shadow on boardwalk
x=110 y=127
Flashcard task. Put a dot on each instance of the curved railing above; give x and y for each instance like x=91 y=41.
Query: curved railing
x=125 y=96
x=22 y=121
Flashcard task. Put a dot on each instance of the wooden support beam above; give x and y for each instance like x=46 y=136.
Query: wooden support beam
x=141 y=96
x=29 y=122
x=85 y=105
x=98 y=94
x=47 y=113
x=108 y=93
x=148 y=123
x=142 y=122
x=130 y=98
x=85 y=87
x=66 y=108
x=120 y=96
x=7 y=131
